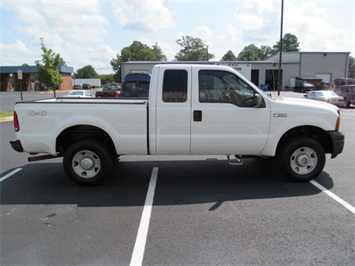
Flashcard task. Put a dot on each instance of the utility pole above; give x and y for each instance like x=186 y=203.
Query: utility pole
x=19 y=78
x=280 y=59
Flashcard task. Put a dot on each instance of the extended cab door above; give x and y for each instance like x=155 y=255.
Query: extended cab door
x=172 y=110
x=228 y=115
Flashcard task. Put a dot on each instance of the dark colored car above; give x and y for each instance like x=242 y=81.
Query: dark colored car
x=136 y=85
x=77 y=87
x=110 y=90
x=348 y=92
x=86 y=86
x=304 y=87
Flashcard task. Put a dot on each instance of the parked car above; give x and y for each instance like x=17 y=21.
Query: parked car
x=326 y=96
x=86 y=86
x=77 y=87
x=110 y=90
x=78 y=94
x=135 y=85
x=304 y=87
x=348 y=92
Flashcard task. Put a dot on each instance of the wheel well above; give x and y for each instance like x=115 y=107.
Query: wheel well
x=81 y=132
x=312 y=132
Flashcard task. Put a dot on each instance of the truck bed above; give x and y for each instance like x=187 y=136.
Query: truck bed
x=125 y=121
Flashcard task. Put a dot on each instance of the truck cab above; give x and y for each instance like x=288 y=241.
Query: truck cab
x=195 y=105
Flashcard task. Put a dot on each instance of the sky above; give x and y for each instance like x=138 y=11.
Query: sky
x=93 y=32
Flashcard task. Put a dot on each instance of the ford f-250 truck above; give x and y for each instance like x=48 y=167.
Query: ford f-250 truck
x=191 y=110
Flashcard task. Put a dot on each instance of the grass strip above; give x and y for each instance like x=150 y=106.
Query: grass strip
x=6 y=114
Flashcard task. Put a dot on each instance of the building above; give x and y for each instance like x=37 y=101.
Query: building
x=326 y=66
x=29 y=79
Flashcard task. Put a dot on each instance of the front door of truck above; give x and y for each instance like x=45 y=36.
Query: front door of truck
x=226 y=118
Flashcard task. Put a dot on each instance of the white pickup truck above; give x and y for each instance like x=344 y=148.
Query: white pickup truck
x=191 y=110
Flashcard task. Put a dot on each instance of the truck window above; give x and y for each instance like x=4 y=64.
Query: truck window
x=217 y=86
x=175 y=86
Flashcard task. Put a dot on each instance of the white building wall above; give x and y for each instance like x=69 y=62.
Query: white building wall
x=137 y=67
x=313 y=63
x=295 y=64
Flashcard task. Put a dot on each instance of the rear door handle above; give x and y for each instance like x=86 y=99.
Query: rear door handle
x=197 y=116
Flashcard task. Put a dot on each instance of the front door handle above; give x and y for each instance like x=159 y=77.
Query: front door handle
x=197 y=116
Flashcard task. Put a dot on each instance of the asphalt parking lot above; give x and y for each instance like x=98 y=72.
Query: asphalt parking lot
x=177 y=210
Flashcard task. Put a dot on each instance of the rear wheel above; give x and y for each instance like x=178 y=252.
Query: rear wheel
x=87 y=162
x=302 y=159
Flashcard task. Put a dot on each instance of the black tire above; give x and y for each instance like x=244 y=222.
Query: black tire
x=347 y=103
x=301 y=159
x=87 y=162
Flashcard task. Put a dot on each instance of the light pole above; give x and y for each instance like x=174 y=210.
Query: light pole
x=280 y=59
x=19 y=78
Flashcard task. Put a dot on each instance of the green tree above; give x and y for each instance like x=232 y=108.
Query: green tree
x=289 y=44
x=86 y=72
x=351 y=73
x=48 y=70
x=158 y=52
x=107 y=78
x=229 y=56
x=137 y=51
x=192 y=49
x=250 y=53
x=266 y=51
x=116 y=67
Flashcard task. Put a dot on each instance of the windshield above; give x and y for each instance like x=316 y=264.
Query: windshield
x=75 y=93
x=328 y=93
x=112 y=87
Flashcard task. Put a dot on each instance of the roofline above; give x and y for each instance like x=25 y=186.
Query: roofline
x=231 y=63
x=31 y=69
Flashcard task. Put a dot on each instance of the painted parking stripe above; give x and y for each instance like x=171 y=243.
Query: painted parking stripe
x=333 y=196
x=139 y=247
x=10 y=174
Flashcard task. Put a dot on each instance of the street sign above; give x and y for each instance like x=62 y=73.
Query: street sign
x=19 y=74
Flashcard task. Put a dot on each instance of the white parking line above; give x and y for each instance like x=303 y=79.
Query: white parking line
x=139 y=247
x=333 y=196
x=10 y=174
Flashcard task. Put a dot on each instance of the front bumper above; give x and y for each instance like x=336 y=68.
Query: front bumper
x=16 y=145
x=338 y=140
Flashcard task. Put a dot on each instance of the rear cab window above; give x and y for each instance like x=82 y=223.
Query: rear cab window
x=175 y=86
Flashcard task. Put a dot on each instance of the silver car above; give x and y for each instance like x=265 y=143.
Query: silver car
x=326 y=96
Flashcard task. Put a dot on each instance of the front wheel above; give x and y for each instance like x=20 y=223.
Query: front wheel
x=347 y=103
x=302 y=159
x=87 y=162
